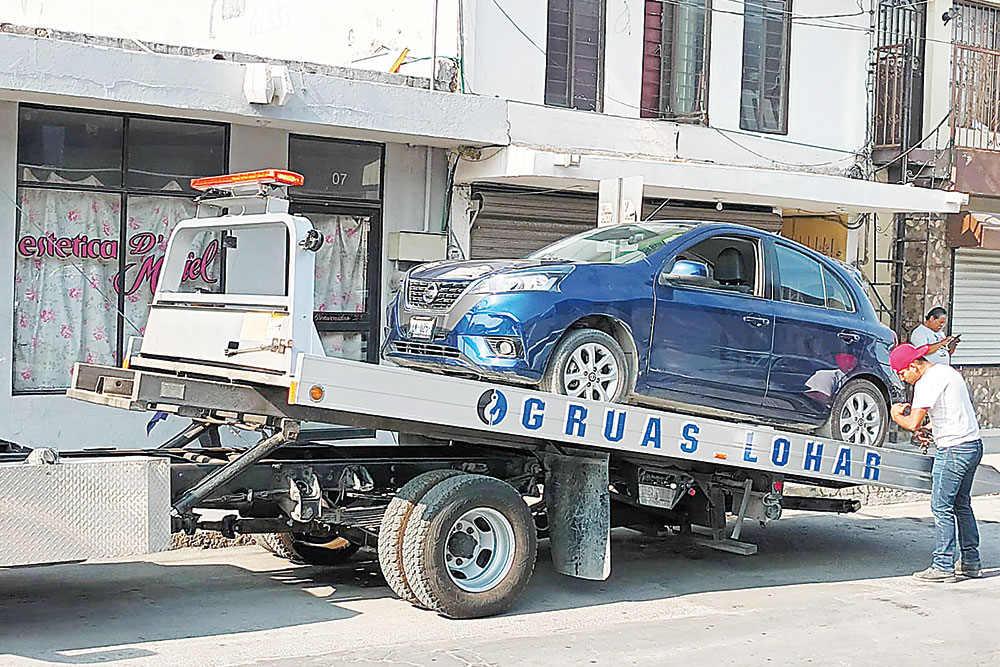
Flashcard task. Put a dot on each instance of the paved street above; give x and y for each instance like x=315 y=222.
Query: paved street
x=824 y=590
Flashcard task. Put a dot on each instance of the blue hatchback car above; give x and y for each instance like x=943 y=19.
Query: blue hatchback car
x=709 y=318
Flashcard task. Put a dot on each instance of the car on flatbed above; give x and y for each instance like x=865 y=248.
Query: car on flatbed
x=711 y=318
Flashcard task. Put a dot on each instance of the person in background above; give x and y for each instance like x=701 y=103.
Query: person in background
x=931 y=334
x=939 y=391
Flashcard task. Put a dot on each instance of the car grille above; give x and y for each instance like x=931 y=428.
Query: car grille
x=425 y=349
x=448 y=292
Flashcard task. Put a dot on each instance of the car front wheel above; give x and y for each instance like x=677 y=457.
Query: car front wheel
x=859 y=415
x=589 y=364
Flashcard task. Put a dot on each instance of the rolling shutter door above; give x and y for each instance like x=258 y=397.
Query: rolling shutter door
x=514 y=224
x=976 y=307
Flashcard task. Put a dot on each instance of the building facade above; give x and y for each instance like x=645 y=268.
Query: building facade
x=486 y=123
x=936 y=125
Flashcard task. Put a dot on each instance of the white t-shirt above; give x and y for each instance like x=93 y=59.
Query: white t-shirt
x=924 y=335
x=942 y=390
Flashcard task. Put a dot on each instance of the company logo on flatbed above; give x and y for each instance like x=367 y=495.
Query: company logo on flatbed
x=492 y=407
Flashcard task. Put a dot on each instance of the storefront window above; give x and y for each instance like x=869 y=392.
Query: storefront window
x=98 y=199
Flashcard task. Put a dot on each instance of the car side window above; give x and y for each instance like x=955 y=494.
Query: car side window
x=837 y=295
x=801 y=278
x=731 y=262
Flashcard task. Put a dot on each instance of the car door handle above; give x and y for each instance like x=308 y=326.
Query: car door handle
x=849 y=337
x=756 y=321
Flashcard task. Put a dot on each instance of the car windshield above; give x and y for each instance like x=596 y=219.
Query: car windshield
x=619 y=244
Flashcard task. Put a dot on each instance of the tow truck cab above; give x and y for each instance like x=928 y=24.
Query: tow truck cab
x=236 y=291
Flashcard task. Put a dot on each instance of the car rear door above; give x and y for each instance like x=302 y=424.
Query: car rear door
x=818 y=336
x=711 y=342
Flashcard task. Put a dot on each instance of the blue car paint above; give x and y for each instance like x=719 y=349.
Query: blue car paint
x=750 y=376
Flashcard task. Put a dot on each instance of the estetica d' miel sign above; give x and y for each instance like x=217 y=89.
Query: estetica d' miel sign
x=145 y=248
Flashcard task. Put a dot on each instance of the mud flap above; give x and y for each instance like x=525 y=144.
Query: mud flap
x=579 y=512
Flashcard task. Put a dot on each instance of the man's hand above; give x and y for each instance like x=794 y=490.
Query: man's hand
x=905 y=416
x=952 y=344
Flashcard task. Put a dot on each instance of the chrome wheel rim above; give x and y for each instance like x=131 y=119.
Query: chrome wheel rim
x=479 y=551
x=592 y=372
x=860 y=420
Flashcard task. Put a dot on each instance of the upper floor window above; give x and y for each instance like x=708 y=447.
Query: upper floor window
x=975 y=95
x=675 y=62
x=766 y=39
x=575 y=54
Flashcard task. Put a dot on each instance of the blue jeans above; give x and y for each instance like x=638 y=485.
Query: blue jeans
x=951 y=504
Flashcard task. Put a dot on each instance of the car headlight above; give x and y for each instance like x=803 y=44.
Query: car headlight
x=517 y=282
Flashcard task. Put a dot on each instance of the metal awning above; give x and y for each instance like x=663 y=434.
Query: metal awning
x=788 y=190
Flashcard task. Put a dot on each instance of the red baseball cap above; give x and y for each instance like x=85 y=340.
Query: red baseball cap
x=905 y=354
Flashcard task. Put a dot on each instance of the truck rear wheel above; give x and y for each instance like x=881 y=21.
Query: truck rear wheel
x=469 y=547
x=390 y=534
x=285 y=545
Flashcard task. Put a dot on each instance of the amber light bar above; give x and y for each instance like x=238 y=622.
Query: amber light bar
x=262 y=176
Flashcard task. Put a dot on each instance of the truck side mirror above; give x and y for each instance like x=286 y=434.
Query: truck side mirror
x=313 y=241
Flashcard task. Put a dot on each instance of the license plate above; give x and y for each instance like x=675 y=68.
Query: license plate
x=422 y=327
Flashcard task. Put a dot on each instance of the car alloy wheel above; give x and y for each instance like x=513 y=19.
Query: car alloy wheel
x=860 y=420
x=592 y=372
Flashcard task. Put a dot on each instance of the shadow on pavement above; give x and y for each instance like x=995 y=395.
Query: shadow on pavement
x=73 y=613
x=83 y=614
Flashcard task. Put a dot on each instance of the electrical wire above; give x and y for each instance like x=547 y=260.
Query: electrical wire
x=917 y=145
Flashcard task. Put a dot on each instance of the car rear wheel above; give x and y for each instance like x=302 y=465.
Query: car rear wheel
x=590 y=364
x=859 y=415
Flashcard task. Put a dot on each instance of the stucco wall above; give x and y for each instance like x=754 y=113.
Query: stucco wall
x=354 y=34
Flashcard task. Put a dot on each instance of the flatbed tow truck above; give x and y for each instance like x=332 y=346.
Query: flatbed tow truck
x=455 y=508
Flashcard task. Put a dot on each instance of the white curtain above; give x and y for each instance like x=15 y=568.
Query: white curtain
x=341 y=277
x=64 y=297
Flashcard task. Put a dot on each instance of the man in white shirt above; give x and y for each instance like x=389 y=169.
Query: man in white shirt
x=931 y=334
x=940 y=392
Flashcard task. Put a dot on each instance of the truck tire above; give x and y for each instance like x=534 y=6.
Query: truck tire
x=859 y=415
x=469 y=547
x=390 y=534
x=284 y=545
x=590 y=364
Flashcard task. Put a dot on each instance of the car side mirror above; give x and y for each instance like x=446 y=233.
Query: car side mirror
x=685 y=270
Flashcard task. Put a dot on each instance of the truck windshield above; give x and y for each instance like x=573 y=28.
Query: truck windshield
x=620 y=244
x=249 y=260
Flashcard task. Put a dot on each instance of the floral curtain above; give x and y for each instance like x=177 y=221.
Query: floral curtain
x=67 y=282
x=341 y=277
x=64 y=303
x=150 y=222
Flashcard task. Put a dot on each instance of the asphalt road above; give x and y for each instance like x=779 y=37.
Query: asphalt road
x=823 y=590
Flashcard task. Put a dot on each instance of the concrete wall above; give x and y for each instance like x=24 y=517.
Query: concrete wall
x=826 y=87
x=623 y=57
x=367 y=35
x=499 y=60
